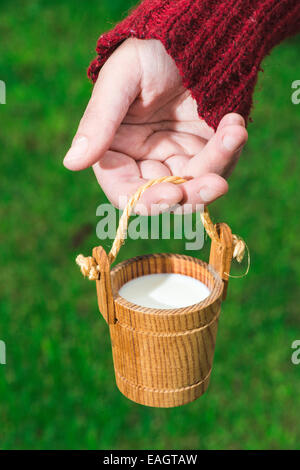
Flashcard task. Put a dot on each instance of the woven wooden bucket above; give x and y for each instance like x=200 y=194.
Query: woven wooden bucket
x=163 y=358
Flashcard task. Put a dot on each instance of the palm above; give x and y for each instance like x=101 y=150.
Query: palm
x=158 y=131
x=162 y=141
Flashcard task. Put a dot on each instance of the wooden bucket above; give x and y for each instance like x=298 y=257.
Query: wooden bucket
x=163 y=358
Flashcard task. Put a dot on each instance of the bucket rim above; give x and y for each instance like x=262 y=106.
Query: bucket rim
x=214 y=295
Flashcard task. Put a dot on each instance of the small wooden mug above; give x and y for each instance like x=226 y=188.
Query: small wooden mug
x=163 y=357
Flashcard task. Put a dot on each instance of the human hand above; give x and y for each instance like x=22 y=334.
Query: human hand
x=141 y=123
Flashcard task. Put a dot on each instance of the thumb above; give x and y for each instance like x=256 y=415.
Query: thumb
x=115 y=90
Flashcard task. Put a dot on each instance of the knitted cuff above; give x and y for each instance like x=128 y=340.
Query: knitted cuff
x=217 y=45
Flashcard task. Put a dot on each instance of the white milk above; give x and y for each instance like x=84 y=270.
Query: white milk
x=164 y=291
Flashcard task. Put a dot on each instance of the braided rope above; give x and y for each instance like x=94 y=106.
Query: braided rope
x=123 y=224
x=88 y=265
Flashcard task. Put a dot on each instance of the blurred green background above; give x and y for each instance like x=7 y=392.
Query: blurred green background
x=57 y=390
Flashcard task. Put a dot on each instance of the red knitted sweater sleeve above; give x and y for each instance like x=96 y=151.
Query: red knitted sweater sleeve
x=217 y=45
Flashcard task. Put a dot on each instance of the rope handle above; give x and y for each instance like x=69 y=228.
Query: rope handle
x=88 y=265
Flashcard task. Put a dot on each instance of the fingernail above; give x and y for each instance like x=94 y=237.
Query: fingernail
x=231 y=119
x=207 y=194
x=230 y=143
x=78 y=149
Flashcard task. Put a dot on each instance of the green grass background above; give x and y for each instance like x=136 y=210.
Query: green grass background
x=57 y=390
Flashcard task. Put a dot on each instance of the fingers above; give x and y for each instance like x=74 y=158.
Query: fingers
x=120 y=177
x=231 y=119
x=151 y=169
x=203 y=190
x=114 y=91
x=222 y=151
x=177 y=165
x=159 y=198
